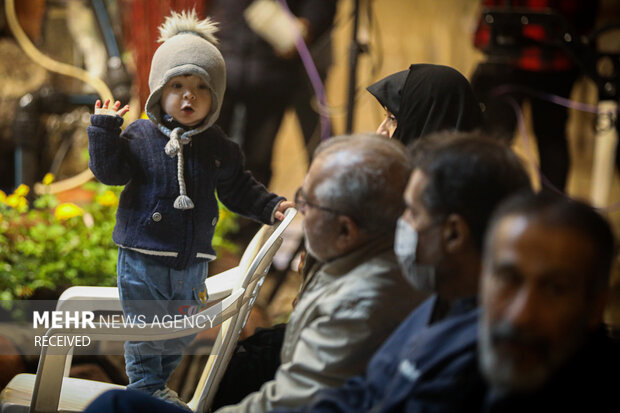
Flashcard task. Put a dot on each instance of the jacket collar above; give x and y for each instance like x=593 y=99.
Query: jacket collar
x=172 y=123
x=340 y=266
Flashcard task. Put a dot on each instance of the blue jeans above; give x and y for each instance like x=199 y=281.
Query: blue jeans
x=121 y=401
x=147 y=290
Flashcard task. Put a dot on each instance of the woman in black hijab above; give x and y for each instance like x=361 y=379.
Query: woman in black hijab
x=426 y=99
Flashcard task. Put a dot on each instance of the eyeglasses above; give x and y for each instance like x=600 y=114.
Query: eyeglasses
x=302 y=203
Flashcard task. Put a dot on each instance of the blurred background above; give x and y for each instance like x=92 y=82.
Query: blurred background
x=44 y=115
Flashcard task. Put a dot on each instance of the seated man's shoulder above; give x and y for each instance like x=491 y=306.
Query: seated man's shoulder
x=376 y=283
x=376 y=275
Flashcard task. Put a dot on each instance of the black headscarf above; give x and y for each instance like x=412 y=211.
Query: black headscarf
x=387 y=91
x=431 y=98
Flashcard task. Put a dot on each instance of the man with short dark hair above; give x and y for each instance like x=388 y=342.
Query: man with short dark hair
x=457 y=182
x=543 y=290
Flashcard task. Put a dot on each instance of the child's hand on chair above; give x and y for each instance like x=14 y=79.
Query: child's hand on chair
x=283 y=206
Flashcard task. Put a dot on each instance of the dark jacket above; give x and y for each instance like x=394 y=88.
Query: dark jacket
x=434 y=369
x=588 y=382
x=146 y=219
x=419 y=368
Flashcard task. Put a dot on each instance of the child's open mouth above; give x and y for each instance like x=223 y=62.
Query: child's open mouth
x=187 y=109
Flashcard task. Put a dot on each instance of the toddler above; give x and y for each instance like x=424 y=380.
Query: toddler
x=171 y=166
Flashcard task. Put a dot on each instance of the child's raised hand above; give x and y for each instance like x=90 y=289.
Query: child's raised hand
x=283 y=206
x=115 y=110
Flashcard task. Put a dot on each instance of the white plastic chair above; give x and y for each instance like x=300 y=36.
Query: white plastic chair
x=231 y=328
x=219 y=286
x=51 y=391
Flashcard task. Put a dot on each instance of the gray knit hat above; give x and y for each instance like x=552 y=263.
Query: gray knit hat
x=188 y=47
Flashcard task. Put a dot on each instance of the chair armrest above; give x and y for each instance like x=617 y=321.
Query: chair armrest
x=89 y=298
x=223 y=284
x=79 y=298
x=119 y=331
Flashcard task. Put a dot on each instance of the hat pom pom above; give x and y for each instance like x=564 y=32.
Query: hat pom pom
x=188 y=21
x=183 y=202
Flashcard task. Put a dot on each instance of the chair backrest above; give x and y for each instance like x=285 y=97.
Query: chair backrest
x=256 y=261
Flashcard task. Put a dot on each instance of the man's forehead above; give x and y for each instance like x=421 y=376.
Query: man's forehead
x=333 y=161
x=341 y=157
x=509 y=228
x=316 y=173
x=540 y=248
x=415 y=186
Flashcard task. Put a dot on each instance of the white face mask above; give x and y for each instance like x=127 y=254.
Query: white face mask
x=421 y=276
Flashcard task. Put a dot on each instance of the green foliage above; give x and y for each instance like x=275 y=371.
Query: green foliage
x=53 y=246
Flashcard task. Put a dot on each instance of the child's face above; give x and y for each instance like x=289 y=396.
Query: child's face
x=187 y=99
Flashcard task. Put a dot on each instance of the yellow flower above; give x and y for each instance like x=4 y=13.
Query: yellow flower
x=67 y=210
x=22 y=190
x=108 y=199
x=24 y=292
x=48 y=178
x=16 y=201
x=2 y=197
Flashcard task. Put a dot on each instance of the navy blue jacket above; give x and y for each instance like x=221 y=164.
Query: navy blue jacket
x=419 y=368
x=588 y=382
x=434 y=369
x=146 y=220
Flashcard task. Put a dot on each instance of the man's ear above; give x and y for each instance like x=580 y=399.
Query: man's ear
x=348 y=233
x=455 y=233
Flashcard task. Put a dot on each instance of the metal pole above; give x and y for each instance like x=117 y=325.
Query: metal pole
x=354 y=51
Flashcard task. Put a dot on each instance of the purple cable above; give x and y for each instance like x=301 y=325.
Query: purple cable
x=313 y=75
x=521 y=122
x=558 y=100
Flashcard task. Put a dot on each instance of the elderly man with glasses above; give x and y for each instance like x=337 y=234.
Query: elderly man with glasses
x=353 y=294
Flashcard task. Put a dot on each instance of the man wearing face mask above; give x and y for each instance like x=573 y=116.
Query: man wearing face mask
x=457 y=182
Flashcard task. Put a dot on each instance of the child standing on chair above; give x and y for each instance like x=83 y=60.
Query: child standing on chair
x=171 y=166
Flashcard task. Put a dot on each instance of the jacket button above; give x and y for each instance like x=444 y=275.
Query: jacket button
x=156 y=217
x=214 y=221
